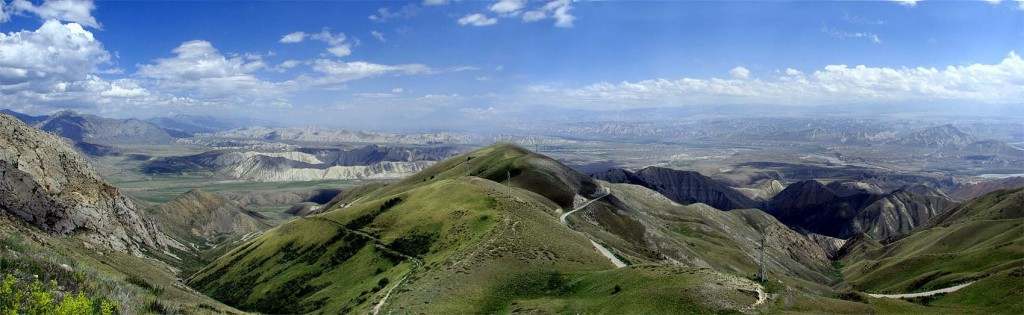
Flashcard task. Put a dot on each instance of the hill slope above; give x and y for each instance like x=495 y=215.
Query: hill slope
x=813 y=207
x=47 y=184
x=980 y=240
x=684 y=187
x=443 y=242
x=66 y=233
x=204 y=217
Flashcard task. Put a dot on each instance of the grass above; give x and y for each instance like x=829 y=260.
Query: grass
x=127 y=282
x=969 y=245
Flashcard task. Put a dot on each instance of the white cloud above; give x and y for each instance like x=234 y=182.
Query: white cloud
x=200 y=71
x=198 y=60
x=385 y=14
x=285 y=65
x=740 y=73
x=993 y=1
x=556 y=9
x=841 y=34
x=378 y=35
x=477 y=19
x=909 y=3
x=1020 y=5
x=341 y=50
x=52 y=54
x=793 y=72
x=1001 y=83
x=294 y=37
x=434 y=2
x=340 y=71
x=397 y=90
x=77 y=11
x=4 y=15
x=507 y=7
x=338 y=44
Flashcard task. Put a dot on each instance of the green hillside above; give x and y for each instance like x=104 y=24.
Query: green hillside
x=981 y=240
x=444 y=242
x=86 y=276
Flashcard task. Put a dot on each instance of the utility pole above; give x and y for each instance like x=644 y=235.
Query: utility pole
x=509 y=183
x=760 y=271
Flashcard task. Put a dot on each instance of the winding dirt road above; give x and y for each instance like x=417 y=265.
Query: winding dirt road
x=600 y=249
x=921 y=294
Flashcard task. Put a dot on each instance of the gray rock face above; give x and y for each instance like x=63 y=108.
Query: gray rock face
x=44 y=182
x=813 y=207
x=684 y=187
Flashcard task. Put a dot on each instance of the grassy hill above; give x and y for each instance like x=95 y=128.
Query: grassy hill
x=453 y=239
x=444 y=242
x=980 y=240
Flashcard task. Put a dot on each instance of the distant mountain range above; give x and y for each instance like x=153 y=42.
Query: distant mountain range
x=501 y=229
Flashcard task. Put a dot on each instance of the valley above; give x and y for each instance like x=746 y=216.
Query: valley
x=245 y=222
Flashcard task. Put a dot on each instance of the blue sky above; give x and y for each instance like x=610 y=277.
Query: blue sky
x=348 y=63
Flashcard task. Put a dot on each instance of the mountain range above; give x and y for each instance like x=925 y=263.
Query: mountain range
x=501 y=229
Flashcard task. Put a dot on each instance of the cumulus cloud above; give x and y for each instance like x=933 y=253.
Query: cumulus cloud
x=53 y=54
x=1000 y=83
x=77 y=11
x=557 y=10
x=908 y=3
x=508 y=7
x=477 y=19
x=200 y=71
x=339 y=45
x=740 y=73
x=294 y=37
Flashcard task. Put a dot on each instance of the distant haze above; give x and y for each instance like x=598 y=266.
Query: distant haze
x=478 y=65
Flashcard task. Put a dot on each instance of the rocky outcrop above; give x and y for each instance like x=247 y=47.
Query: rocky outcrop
x=305 y=164
x=684 y=187
x=763 y=190
x=813 y=207
x=262 y=168
x=47 y=184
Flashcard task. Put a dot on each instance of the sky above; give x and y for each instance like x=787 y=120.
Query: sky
x=435 y=63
